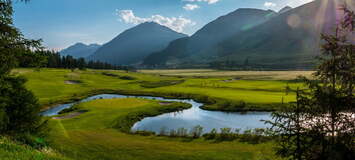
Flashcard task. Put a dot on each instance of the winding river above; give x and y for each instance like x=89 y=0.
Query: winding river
x=188 y=118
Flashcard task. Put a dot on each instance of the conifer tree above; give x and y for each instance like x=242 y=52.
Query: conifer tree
x=321 y=124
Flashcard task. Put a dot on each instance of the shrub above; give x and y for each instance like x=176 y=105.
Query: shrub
x=225 y=104
x=173 y=133
x=163 y=131
x=182 y=132
x=211 y=135
x=196 y=131
x=226 y=134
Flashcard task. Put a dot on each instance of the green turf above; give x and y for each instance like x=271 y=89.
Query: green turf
x=93 y=135
x=100 y=133
x=49 y=85
x=10 y=150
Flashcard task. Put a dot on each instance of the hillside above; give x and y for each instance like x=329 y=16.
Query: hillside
x=80 y=50
x=289 y=39
x=211 y=34
x=133 y=45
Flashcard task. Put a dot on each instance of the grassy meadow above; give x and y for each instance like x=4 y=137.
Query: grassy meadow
x=94 y=135
x=102 y=131
x=257 y=92
x=249 y=75
x=10 y=150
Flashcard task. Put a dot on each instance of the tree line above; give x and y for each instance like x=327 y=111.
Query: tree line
x=52 y=59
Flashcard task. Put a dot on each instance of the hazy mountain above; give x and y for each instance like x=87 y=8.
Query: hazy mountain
x=80 y=50
x=211 y=34
x=290 y=39
x=133 y=45
x=285 y=9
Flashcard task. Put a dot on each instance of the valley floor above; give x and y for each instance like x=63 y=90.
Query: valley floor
x=258 y=90
x=101 y=133
x=93 y=136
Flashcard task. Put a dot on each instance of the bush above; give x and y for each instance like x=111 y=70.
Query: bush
x=211 y=135
x=33 y=141
x=182 y=132
x=163 y=131
x=197 y=131
x=226 y=135
x=205 y=99
x=225 y=105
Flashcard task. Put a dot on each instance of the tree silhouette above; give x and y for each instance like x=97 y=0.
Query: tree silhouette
x=320 y=125
x=19 y=110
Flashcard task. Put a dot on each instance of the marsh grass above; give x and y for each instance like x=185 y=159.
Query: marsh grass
x=101 y=133
x=258 y=95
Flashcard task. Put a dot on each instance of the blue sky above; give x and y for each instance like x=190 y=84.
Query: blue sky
x=61 y=23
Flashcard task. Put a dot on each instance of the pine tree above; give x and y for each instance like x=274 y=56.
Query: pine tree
x=321 y=124
x=19 y=110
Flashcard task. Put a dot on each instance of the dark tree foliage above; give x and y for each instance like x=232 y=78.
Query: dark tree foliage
x=51 y=59
x=20 y=107
x=321 y=124
x=19 y=110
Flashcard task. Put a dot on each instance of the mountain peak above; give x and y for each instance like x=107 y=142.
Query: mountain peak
x=133 y=45
x=79 y=50
x=150 y=23
x=285 y=9
x=79 y=44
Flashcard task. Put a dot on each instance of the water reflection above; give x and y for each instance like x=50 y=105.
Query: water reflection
x=185 y=119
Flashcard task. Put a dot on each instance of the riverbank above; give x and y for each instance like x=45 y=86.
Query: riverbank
x=217 y=93
x=100 y=133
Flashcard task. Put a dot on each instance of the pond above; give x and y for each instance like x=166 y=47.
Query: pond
x=187 y=119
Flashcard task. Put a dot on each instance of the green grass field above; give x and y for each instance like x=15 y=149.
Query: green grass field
x=101 y=133
x=249 y=75
x=51 y=87
x=10 y=150
x=92 y=136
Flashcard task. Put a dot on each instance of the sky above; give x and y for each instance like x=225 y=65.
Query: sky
x=61 y=23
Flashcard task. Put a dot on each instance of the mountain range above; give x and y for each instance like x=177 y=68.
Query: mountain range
x=133 y=45
x=203 y=41
x=286 y=39
x=80 y=50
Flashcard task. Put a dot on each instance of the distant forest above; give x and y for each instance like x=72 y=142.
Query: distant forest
x=51 y=59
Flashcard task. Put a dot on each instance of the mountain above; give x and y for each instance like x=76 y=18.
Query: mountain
x=288 y=39
x=133 y=45
x=210 y=35
x=285 y=9
x=79 y=50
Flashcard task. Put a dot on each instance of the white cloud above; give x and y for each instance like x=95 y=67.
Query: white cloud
x=296 y=3
x=175 y=23
x=270 y=4
x=208 y=1
x=191 y=7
